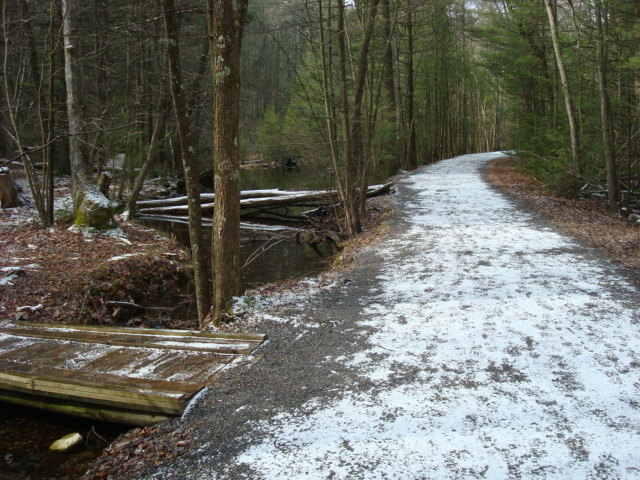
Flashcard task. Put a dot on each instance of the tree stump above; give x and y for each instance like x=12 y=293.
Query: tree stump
x=8 y=191
x=104 y=182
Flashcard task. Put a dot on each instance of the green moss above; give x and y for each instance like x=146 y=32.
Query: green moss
x=95 y=211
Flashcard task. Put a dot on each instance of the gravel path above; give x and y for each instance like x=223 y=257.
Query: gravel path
x=475 y=341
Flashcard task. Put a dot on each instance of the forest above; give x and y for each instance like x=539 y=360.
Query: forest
x=123 y=91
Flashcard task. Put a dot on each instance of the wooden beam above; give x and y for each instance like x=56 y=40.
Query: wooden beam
x=222 y=342
x=140 y=395
x=79 y=409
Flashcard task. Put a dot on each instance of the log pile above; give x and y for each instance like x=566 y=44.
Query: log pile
x=263 y=206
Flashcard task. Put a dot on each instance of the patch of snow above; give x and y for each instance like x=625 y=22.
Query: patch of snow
x=30 y=308
x=88 y=232
x=205 y=346
x=517 y=356
x=194 y=400
x=93 y=195
x=122 y=257
x=8 y=280
x=11 y=269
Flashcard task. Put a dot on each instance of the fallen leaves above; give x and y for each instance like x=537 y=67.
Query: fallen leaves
x=588 y=219
x=137 y=449
x=76 y=278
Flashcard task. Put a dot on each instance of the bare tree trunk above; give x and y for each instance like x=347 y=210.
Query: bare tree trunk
x=79 y=167
x=357 y=140
x=226 y=20
x=351 y=211
x=411 y=159
x=566 y=88
x=92 y=208
x=389 y=74
x=189 y=161
x=327 y=97
x=9 y=196
x=613 y=187
x=148 y=161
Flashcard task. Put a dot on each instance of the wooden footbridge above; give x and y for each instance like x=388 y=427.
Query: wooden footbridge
x=127 y=375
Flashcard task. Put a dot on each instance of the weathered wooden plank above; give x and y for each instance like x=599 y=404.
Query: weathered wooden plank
x=99 y=378
x=79 y=409
x=54 y=353
x=122 y=360
x=9 y=342
x=148 y=331
x=141 y=394
x=183 y=340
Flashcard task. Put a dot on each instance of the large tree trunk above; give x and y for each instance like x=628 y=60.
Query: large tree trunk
x=572 y=115
x=189 y=162
x=226 y=21
x=92 y=208
x=328 y=97
x=613 y=187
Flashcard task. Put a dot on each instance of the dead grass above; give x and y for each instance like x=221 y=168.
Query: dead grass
x=588 y=220
x=379 y=209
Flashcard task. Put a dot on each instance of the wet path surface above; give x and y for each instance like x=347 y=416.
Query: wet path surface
x=475 y=341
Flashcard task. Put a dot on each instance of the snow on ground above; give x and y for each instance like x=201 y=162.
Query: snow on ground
x=497 y=349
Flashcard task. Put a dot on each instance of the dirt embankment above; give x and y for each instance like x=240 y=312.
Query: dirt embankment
x=587 y=219
x=74 y=276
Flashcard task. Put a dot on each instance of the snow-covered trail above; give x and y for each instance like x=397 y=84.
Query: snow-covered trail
x=495 y=348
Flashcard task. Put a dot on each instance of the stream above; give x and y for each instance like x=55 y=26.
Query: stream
x=274 y=258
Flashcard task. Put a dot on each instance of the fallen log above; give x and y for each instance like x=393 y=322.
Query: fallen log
x=256 y=199
x=245 y=226
x=210 y=197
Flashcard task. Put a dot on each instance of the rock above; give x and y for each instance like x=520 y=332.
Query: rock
x=66 y=443
x=95 y=210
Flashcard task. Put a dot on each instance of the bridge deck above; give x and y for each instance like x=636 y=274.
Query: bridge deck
x=128 y=375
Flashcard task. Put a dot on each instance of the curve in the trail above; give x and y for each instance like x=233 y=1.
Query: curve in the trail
x=496 y=348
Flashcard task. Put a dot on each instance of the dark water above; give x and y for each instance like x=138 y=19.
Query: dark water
x=25 y=436
x=271 y=258
x=307 y=176
x=302 y=177
x=281 y=257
